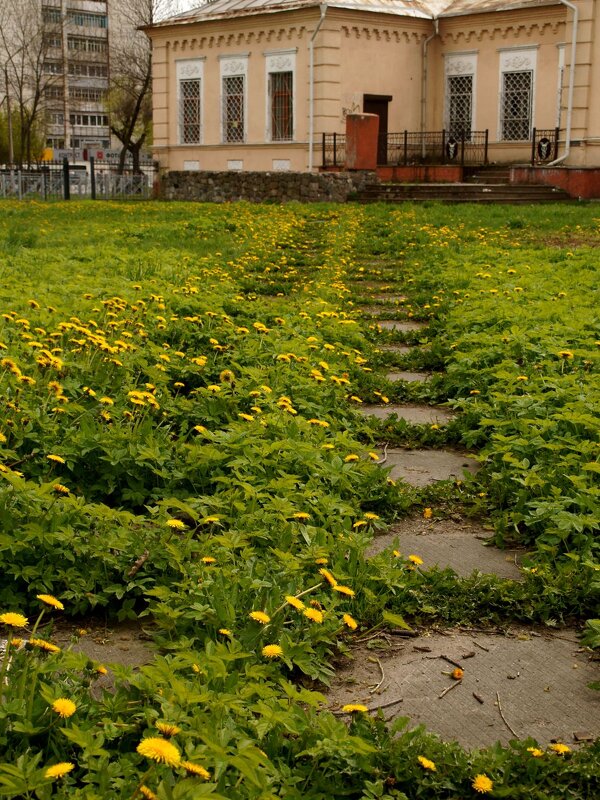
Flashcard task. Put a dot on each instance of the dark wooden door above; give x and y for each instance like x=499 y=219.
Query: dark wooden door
x=378 y=104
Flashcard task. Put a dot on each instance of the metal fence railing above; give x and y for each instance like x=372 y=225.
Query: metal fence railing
x=544 y=145
x=62 y=180
x=334 y=149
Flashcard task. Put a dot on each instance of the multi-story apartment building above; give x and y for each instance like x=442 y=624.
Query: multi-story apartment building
x=78 y=53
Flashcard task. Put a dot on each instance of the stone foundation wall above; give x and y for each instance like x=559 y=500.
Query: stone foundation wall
x=261 y=187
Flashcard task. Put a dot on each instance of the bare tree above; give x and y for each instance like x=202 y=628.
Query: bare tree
x=28 y=70
x=129 y=97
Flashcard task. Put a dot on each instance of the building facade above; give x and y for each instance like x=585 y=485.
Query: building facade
x=254 y=84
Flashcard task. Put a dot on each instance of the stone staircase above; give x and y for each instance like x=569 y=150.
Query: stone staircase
x=495 y=189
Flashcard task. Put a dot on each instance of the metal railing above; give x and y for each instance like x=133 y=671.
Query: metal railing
x=416 y=147
x=544 y=145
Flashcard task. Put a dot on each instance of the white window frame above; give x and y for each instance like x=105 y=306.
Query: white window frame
x=516 y=59
x=456 y=64
x=185 y=70
x=279 y=61
x=233 y=66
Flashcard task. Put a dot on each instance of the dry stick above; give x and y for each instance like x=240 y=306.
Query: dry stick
x=514 y=733
x=449 y=689
x=487 y=649
x=374 y=689
x=373 y=708
x=384 y=459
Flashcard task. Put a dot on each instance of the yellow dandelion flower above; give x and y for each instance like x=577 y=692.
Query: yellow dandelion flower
x=370 y=516
x=360 y=524
x=482 y=784
x=59 y=770
x=225 y=631
x=260 y=616
x=535 y=752
x=351 y=457
x=321 y=561
x=314 y=615
x=227 y=376
x=200 y=429
x=176 y=524
x=426 y=763
x=14 y=620
x=147 y=793
x=415 y=559
x=60 y=489
x=50 y=601
x=42 y=644
x=344 y=590
x=559 y=748
x=301 y=515
x=458 y=674
x=350 y=622
x=64 y=707
x=373 y=456
x=167 y=729
x=211 y=519
x=293 y=601
x=272 y=651
x=213 y=388
x=159 y=750
x=352 y=708
x=565 y=354
x=208 y=560
x=56 y=459
x=247 y=417
x=107 y=401
x=195 y=769
x=328 y=576
x=427 y=513
x=101 y=670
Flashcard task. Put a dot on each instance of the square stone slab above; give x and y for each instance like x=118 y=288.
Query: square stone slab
x=402 y=349
x=409 y=377
x=540 y=677
x=400 y=325
x=390 y=298
x=422 y=467
x=463 y=546
x=416 y=415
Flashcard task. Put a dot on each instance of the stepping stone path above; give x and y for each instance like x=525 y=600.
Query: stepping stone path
x=518 y=682
x=417 y=415
x=464 y=546
x=405 y=326
x=536 y=680
x=409 y=377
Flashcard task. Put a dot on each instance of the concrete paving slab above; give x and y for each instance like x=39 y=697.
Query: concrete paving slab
x=416 y=415
x=464 y=546
x=113 y=643
x=409 y=377
x=423 y=467
x=402 y=349
x=540 y=679
x=401 y=325
x=390 y=298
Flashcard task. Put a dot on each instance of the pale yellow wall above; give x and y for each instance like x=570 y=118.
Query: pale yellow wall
x=358 y=53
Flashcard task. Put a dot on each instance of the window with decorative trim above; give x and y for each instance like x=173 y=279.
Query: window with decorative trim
x=189 y=96
x=281 y=66
x=517 y=75
x=459 y=114
x=234 y=71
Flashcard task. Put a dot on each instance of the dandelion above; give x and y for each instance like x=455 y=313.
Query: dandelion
x=42 y=644
x=373 y=456
x=426 y=763
x=370 y=516
x=566 y=354
x=301 y=515
x=14 y=620
x=260 y=616
x=481 y=783
x=195 y=769
x=427 y=513
x=350 y=622
x=293 y=601
x=247 y=417
x=227 y=376
x=101 y=670
x=351 y=457
x=147 y=793
x=208 y=560
x=272 y=651
x=60 y=489
x=352 y=708
x=360 y=524
x=168 y=729
x=176 y=524
x=56 y=459
x=535 y=752
x=321 y=561
x=559 y=748
x=344 y=590
x=210 y=520
x=64 y=707
x=415 y=559
x=314 y=615
x=51 y=601
x=200 y=429
x=59 y=770
x=328 y=576
x=474 y=391
x=159 y=750
x=224 y=632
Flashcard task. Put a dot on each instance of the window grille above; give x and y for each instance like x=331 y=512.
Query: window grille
x=233 y=108
x=189 y=111
x=280 y=92
x=460 y=105
x=516 y=105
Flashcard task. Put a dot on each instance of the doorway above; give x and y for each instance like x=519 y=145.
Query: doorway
x=378 y=104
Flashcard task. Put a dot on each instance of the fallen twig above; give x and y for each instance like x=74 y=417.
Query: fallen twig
x=449 y=689
x=514 y=733
x=139 y=564
x=384 y=459
x=487 y=649
x=479 y=698
x=374 y=689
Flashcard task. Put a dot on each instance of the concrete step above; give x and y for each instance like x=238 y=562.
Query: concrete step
x=461 y=193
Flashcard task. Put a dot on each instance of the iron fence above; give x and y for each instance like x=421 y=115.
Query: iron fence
x=62 y=180
x=334 y=149
x=544 y=145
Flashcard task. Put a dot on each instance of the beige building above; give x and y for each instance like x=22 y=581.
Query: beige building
x=254 y=84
